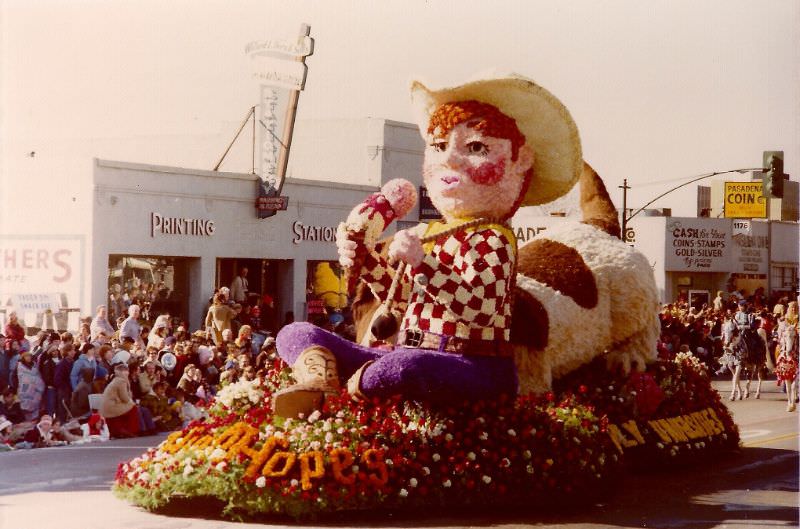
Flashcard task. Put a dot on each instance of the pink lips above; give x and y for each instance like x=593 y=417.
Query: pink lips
x=450 y=180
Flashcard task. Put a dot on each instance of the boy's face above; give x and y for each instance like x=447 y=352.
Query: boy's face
x=469 y=174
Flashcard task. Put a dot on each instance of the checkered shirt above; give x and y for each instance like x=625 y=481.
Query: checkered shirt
x=463 y=286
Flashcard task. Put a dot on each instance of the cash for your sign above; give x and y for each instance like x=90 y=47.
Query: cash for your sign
x=180 y=226
x=693 y=242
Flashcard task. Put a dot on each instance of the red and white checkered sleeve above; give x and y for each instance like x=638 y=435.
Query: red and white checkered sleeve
x=471 y=275
x=377 y=274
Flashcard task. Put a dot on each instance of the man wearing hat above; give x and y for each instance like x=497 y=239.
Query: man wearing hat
x=493 y=145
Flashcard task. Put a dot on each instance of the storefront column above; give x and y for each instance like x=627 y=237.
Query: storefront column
x=201 y=278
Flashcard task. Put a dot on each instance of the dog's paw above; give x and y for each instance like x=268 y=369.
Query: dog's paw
x=626 y=361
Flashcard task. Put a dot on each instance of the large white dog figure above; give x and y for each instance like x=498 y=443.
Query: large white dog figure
x=581 y=293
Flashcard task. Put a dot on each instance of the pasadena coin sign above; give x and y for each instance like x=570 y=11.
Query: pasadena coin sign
x=745 y=200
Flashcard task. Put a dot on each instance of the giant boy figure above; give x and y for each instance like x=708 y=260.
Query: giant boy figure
x=492 y=146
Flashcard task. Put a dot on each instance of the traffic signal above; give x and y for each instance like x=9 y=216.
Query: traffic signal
x=773 y=174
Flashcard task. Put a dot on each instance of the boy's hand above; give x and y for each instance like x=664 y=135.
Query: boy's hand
x=406 y=246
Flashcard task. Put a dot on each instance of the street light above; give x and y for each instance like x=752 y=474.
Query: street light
x=625 y=187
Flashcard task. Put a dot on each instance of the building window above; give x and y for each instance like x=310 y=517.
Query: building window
x=784 y=277
x=159 y=285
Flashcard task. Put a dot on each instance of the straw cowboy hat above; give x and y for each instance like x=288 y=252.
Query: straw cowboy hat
x=544 y=121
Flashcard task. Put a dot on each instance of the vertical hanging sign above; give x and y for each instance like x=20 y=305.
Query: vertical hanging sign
x=280 y=70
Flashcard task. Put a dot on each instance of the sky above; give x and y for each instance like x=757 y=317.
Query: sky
x=662 y=91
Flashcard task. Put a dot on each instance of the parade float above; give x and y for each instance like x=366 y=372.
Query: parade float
x=483 y=374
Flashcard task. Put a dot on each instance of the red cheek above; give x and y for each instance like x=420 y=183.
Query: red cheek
x=487 y=173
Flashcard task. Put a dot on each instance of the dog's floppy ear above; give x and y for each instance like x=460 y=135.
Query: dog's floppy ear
x=530 y=324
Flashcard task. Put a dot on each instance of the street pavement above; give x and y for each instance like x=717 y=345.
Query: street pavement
x=69 y=487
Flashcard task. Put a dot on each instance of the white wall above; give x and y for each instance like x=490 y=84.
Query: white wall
x=786 y=242
x=337 y=151
x=648 y=238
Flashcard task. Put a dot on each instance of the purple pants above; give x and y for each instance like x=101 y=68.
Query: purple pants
x=416 y=374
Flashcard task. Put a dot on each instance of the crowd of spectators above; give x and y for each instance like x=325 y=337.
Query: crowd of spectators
x=707 y=330
x=127 y=378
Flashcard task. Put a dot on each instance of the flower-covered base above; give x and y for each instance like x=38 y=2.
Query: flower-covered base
x=396 y=454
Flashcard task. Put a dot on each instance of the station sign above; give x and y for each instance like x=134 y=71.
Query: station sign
x=745 y=200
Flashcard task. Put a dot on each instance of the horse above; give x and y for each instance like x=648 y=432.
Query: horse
x=787 y=364
x=750 y=349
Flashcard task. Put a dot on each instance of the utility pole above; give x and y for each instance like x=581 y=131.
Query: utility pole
x=624 y=188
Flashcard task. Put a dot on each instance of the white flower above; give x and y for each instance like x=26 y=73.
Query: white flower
x=261 y=482
x=388 y=462
x=483 y=436
x=315 y=445
x=328 y=437
x=527 y=454
x=426 y=471
x=221 y=465
x=512 y=433
x=294 y=483
x=355 y=469
x=403 y=493
x=481 y=420
x=326 y=426
x=340 y=430
x=486 y=479
x=412 y=482
x=529 y=469
x=188 y=469
x=471 y=456
x=448 y=437
x=314 y=417
x=447 y=484
x=436 y=458
x=218 y=453
x=144 y=476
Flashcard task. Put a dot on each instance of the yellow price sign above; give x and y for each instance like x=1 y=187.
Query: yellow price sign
x=745 y=200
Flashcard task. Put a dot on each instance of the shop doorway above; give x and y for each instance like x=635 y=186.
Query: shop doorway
x=159 y=285
x=326 y=293
x=263 y=285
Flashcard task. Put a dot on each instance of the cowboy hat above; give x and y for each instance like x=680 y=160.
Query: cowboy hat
x=544 y=121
